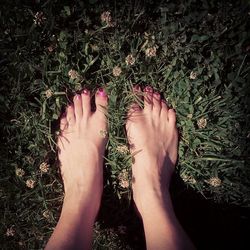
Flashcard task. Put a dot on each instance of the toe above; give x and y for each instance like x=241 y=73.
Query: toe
x=164 y=109
x=78 y=106
x=172 y=117
x=101 y=102
x=148 y=98
x=63 y=122
x=86 y=106
x=157 y=102
x=134 y=112
x=70 y=115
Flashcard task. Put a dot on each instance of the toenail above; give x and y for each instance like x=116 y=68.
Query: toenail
x=77 y=97
x=101 y=92
x=148 y=89
x=85 y=91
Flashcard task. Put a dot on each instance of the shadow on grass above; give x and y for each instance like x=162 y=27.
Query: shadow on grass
x=209 y=225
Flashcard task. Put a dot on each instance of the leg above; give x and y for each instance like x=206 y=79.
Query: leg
x=81 y=147
x=152 y=132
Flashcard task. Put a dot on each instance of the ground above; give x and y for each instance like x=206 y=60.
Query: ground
x=195 y=53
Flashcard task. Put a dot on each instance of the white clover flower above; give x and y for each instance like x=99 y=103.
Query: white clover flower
x=10 y=232
x=123 y=178
x=73 y=74
x=122 y=149
x=48 y=93
x=47 y=214
x=106 y=18
x=151 y=52
x=193 y=75
x=51 y=48
x=202 y=122
x=103 y=133
x=30 y=183
x=44 y=167
x=214 y=181
x=124 y=183
x=130 y=60
x=188 y=179
x=20 y=172
x=39 y=18
x=117 y=71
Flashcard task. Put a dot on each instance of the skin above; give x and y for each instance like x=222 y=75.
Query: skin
x=81 y=147
x=153 y=139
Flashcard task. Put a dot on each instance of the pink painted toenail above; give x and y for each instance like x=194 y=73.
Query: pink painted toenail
x=101 y=92
x=85 y=91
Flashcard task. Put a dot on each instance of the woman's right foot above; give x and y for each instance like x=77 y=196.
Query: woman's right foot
x=153 y=139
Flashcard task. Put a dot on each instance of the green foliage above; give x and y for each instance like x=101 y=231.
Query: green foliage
x=201 y=67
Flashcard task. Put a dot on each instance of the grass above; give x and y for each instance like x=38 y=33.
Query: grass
x=201 y=67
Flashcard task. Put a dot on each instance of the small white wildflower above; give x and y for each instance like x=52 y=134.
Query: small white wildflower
x=73 y=74
x=214 y=181
x=151 y=52
x=20 y=172
x=202 y=122
x=47 y=214
x=122 y=149
x=193 y=75
x=117 y=71
x=188 y=179
x=39 y=18
x=103 y=133
x=106 y=18
x=10 y=232
x=124 y=183
x=123 y=178
x=48 y=93
x=51 y=48
x=130 y=60
x=237 y=125
x=190 y=116
x=44 y=167
x=30 y=183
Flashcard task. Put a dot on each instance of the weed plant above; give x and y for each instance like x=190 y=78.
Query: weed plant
x=195 y=53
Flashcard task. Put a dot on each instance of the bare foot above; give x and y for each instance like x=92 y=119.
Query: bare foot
x=153 y=137
x=81 y=146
